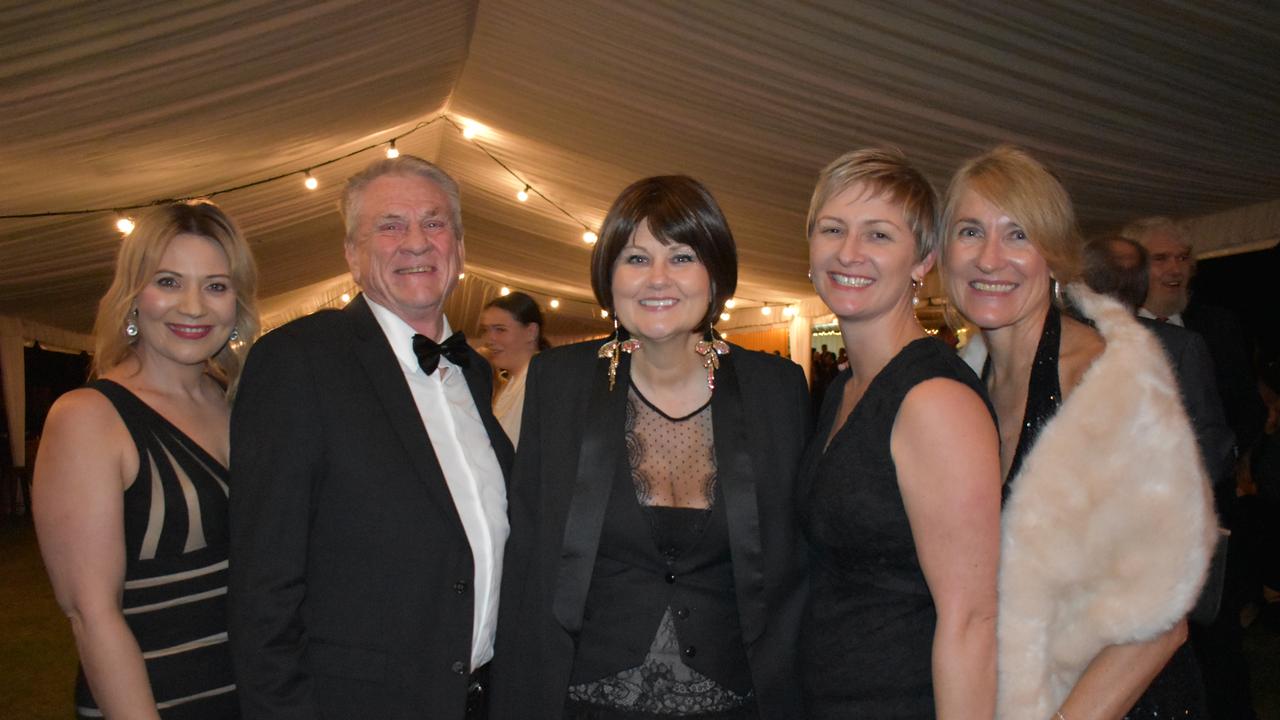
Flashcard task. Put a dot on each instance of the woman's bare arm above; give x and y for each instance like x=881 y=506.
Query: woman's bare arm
x=946 y=451
x=1118 y=676
x=78 y=503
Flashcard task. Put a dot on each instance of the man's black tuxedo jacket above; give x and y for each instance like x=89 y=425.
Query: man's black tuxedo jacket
x=572 y=443
x=1193 y=368
x=351 y=575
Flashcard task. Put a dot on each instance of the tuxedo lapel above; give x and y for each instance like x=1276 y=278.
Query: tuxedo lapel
x=737 y=477
x=480 y=383
x=599 y=457
x=393 y=395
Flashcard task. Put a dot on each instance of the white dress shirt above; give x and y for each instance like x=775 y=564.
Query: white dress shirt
x=470 y=468
x=1174 y=319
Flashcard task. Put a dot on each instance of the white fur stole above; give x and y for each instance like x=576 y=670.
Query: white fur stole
x=1107 y=535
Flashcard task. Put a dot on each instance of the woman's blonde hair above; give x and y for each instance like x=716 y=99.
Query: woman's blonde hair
x=136 y=263
x=882 y=171
x=1017 y=183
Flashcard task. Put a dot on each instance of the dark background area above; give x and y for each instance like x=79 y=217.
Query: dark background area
x=1246 y=284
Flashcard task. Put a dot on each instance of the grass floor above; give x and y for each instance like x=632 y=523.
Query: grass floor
x=37 y=652
x=38 y=655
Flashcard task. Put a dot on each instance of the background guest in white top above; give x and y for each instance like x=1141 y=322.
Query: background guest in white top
x=511 y=329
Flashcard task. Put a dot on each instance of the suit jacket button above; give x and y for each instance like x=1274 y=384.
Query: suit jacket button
x=690 y=651
x=460 y=586
x=683 y=613
x=459 y=668
x=670 y=578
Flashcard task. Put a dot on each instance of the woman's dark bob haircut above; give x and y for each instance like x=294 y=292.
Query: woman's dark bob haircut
x=678 y=209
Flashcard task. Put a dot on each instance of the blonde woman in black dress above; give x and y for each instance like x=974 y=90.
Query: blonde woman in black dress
x=1109 y=523
x=902 y=508
x=131 y=482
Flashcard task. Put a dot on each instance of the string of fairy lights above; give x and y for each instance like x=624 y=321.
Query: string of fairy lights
x=470 y=130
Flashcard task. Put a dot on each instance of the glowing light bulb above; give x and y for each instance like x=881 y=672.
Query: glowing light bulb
x=461 y=275
x=724 y=317
x=730 y=303
x=604 y=314
x=523 y=195
x=392 y=152
x=346 y=297
x=789 y=311
x=766 y=310
x=311 y=181
x=554 y=303
x=589 y=237
x=505 y=291
x=124 y=225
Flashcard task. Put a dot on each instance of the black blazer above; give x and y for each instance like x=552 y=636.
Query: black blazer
x=1193 y=369
x=571 y=444
x=351 y=574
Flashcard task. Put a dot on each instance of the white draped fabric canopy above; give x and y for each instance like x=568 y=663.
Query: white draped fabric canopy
x=1141 y=108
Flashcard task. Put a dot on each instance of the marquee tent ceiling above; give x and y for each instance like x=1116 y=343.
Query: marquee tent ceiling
x=1141 y=108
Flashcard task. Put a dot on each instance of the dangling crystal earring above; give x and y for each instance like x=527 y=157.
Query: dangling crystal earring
x=916 y=284
x=613 y=349
x=131 y=324
x=711 y=348
x=235 y=334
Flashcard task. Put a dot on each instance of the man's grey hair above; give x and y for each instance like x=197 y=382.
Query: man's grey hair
x=405 y=165
x=1140 y=230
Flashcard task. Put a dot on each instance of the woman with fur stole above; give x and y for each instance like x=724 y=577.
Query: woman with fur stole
x=1108 y=523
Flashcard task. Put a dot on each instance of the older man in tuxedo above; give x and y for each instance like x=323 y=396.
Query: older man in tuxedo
x=1118 y=266
x=1171 y=265
x=368 y=502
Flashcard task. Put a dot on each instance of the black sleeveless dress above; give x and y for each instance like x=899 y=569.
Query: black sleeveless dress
x=175 y=589
x=867 y=637
x=1178 y=691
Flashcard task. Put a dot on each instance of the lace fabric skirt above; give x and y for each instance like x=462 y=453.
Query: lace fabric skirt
x=661 y=687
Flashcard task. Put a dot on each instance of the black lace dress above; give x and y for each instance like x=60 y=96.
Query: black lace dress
x=675 y=454
x=1178 y=691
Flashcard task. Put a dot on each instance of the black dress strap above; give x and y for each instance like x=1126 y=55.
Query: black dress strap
x=142 y=421
x=1044 y=391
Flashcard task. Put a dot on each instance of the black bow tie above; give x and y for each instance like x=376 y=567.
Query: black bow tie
x=429 y=351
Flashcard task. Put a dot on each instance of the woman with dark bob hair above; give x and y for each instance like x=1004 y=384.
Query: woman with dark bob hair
x=1108 y=526
x=654 y=568
x=131 y=482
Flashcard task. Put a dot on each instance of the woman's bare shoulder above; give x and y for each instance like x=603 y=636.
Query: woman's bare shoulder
x=1080 y=346
x=84 y=421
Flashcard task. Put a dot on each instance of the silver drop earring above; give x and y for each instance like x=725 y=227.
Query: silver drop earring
x=131 y=324
x=235 y=334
